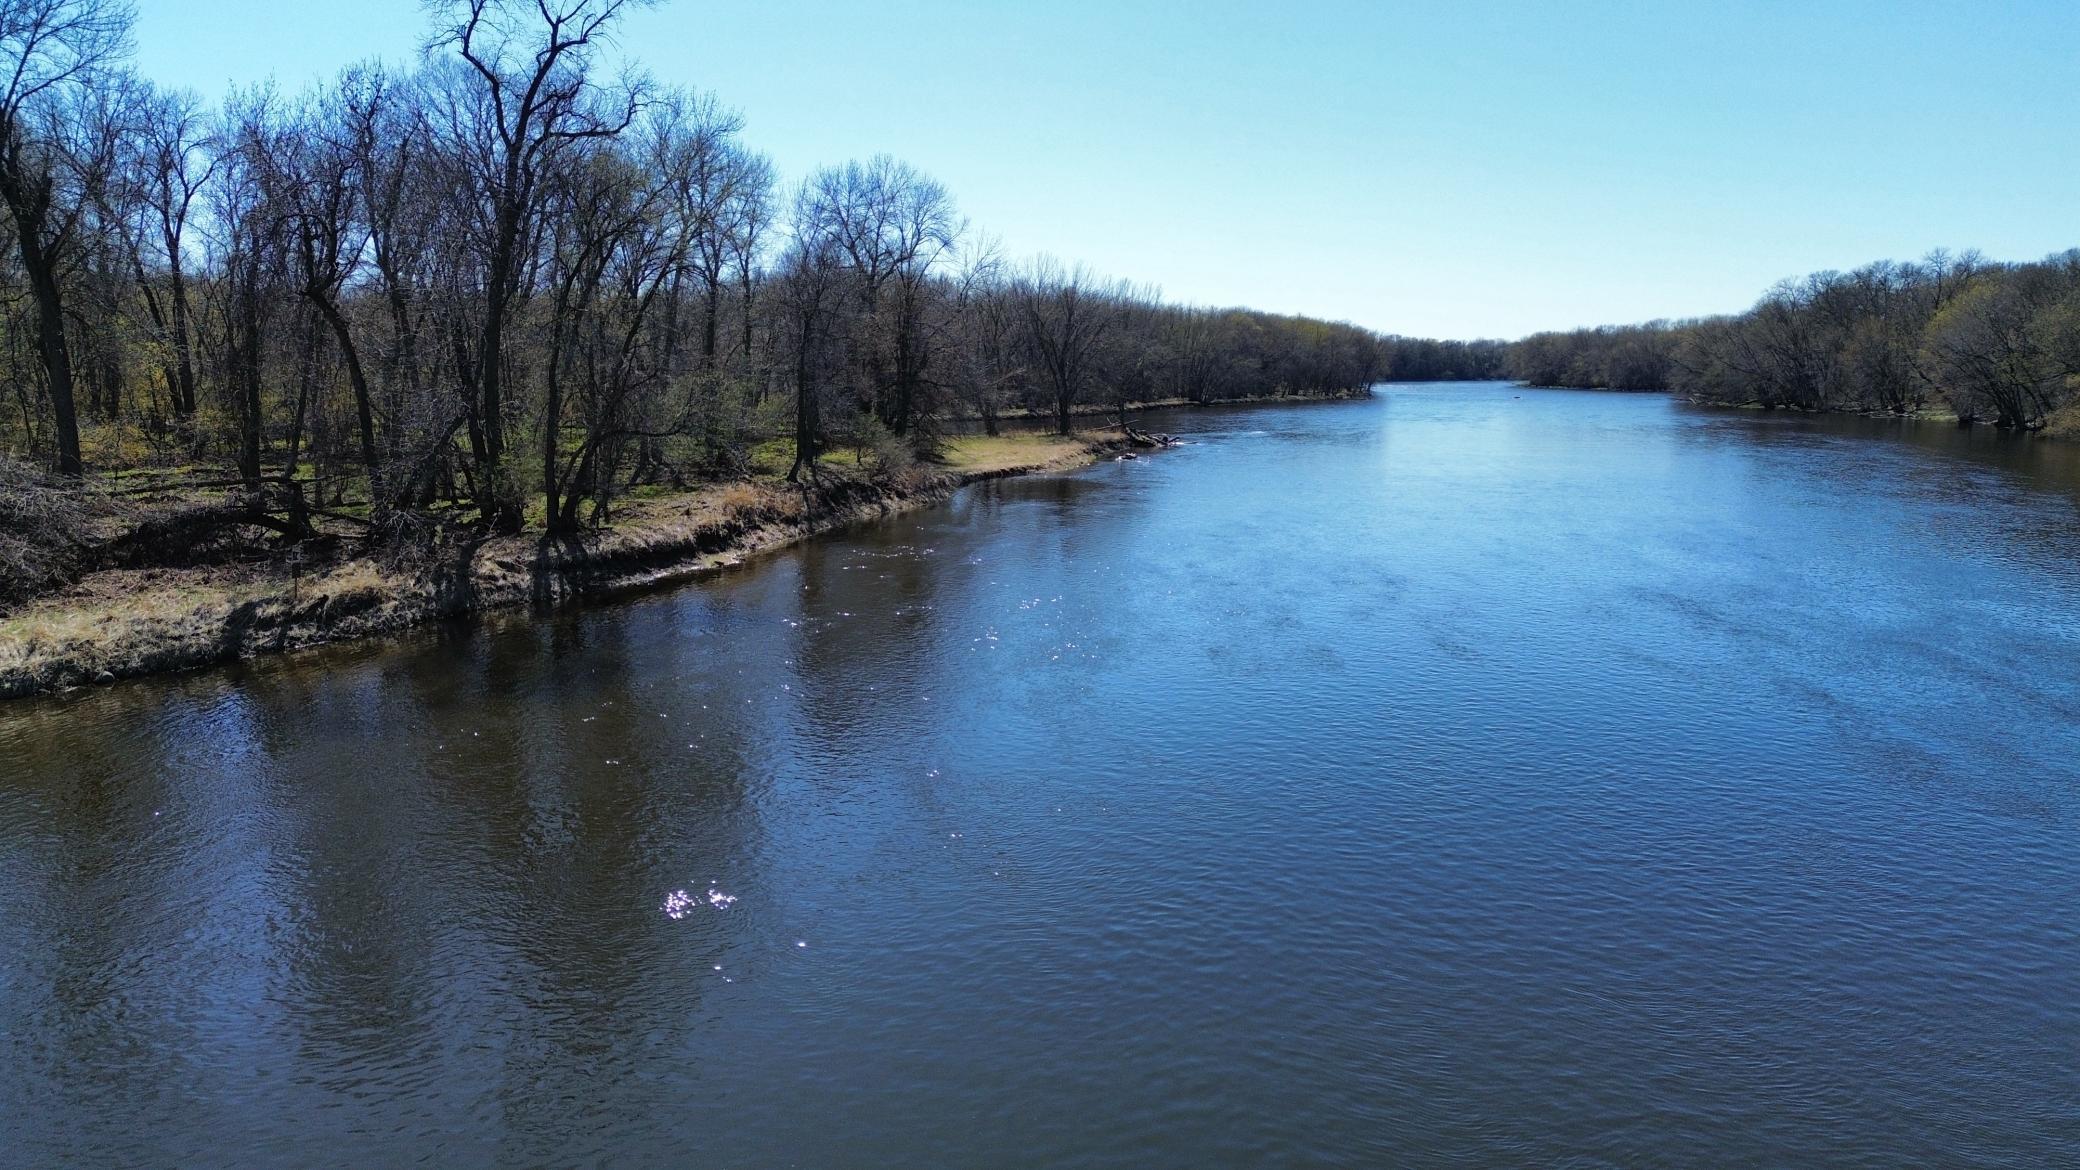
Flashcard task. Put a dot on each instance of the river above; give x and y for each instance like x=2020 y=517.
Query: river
x=1472 y=776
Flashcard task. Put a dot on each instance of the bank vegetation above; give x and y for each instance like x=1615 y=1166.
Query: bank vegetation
x=515 y=291
x=1955 y=335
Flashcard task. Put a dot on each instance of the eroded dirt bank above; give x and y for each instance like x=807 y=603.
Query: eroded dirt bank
x=123 y=623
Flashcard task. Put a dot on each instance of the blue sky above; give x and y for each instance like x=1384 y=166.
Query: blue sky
x=1447 y=169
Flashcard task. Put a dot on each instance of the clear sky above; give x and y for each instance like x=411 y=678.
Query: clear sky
x=1449 y=168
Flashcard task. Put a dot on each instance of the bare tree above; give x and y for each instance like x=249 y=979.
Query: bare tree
x=990 y=354
x=806 y=289
x=532 y=95
x=248 y=258
x=692 y=146
x=615 y=253
x=167 y=163
x=52 y=52
x=403 y=187
x=1066 y=312
x=893 y=226
x=750 y=218
x=311 y=180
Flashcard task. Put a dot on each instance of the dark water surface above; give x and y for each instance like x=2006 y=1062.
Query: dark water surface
x=1467 y=777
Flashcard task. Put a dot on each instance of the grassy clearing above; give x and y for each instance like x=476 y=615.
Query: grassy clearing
x=992 y=453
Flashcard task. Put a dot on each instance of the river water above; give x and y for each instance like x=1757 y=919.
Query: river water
x=1470 y=777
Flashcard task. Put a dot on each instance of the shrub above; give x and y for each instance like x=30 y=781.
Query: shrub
x=43 y=533
x=741 y=501
x=880 y=451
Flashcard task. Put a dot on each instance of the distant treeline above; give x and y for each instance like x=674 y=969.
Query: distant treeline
x=511 y=284
x=1989 y=342
x=1424 y=359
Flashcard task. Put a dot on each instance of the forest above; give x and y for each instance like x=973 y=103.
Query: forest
x=1423 y=359
x=1954 y=334
x=510 y=284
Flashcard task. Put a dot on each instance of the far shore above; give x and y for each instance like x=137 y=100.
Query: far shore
x=2062 y=425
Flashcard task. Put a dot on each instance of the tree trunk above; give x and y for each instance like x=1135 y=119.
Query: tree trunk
x=41 y=269
x=363 y=410
x=248 y=386
x=306 y=381
x=744 y=288
x=183 y=347
x=552 y=430
x=500 y=505
x=806 y=444
x=711 y=321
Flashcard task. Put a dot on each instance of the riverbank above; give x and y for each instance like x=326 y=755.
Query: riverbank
x=1035 y=417
x=124 y=623
x=2062 y=424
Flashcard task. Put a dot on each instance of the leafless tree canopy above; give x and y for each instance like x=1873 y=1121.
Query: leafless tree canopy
x=507 y=286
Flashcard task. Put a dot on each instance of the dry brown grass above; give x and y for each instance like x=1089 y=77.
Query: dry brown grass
x=740 y=499
x=999 y=453
x=120 y=623
x=137 y=621
x=2063 y=423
